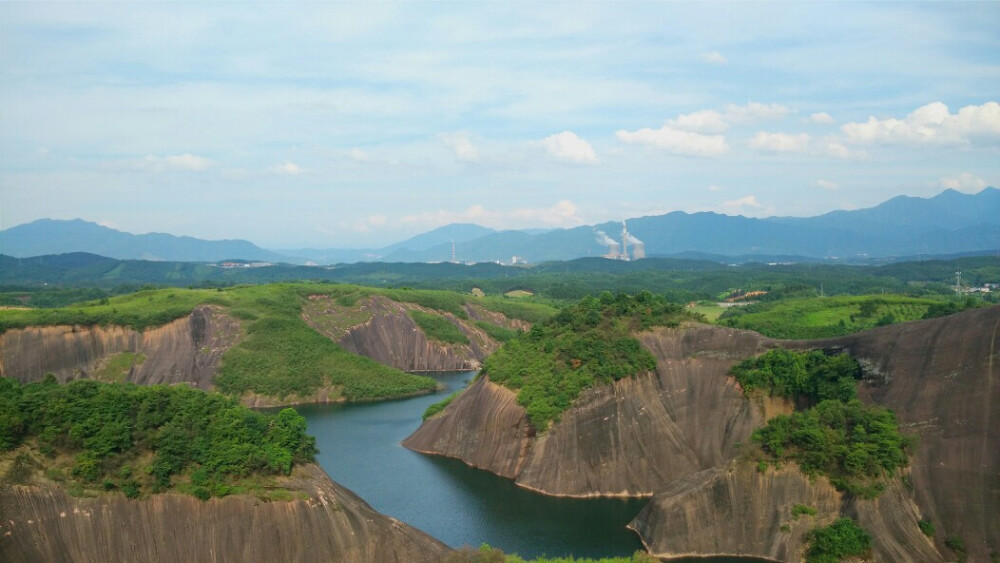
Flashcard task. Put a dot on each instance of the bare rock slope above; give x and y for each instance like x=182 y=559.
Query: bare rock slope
x=675 y=434
x=187 y=350
x=332 y=524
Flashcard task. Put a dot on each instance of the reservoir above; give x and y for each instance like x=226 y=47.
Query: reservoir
x=359 y=448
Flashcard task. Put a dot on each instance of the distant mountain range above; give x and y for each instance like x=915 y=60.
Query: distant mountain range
x=948 y=223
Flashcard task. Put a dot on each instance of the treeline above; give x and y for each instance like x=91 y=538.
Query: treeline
x=141 y=440
x=587 y=344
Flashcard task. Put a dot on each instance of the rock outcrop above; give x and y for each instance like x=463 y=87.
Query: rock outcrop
x=42 y=523
x=627 y=439
x=675 y=435
x=389 y=336
x=187 y=350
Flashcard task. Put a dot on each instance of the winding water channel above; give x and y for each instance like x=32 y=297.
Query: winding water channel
x=359 y=448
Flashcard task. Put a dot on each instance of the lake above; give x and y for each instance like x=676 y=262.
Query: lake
x=359 y=448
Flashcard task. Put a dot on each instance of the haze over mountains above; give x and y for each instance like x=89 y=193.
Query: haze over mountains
x=951 y=222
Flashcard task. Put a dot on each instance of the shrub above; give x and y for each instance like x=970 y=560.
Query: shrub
x=438 y=328
x=840 y=540
x=927 y=527
x=439 y=406
x=801 y=509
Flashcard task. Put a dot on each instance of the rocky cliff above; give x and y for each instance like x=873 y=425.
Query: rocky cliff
x=186 y=350
x=329 y=523
x=387 y=334
x=675 y=435
x=631 y=438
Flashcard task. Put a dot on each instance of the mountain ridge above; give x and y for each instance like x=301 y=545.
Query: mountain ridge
x=950 y=222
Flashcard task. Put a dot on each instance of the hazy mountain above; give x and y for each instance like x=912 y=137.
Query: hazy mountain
x=948 y=223
x=50 y=236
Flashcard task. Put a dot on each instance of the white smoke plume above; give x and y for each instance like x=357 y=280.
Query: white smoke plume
x=633 y=240
x=604 y=240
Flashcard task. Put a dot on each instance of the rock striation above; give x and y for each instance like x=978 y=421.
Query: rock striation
x=392 y=338
x=187 y=350
x=675 y=435
x=42 y=523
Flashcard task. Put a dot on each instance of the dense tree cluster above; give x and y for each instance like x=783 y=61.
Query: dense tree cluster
x=853 y=444
x=587 y=344
x=137 y=438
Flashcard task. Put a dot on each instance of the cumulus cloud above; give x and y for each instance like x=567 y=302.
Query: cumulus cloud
x=932 y=124
x=370 y=223
x=801 y=143
x=461 y=145
x=964 y=182
x=676 y=141
x=569 y=147
x=287 y=167
x=826 y=184
x=703 y=121
x=714 y=58
x=712 y=121
x=822 y=118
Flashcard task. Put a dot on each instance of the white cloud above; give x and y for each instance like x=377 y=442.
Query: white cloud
x=569 y=147
x=822 y=118
x=287 y=167
x=371 y=222
x=746 y=205
x=563 y=213
x=461 y=145
x=780 y=142
x=676 y=141
x=932 y=124
x=703 y=121
x=826 y=184
x=964 y=182
x=714 y=58
x=801 y=143
x=714 y=188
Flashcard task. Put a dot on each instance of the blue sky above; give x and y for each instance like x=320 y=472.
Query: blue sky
x=357 y=125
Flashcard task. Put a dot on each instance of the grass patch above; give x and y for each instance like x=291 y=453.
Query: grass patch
x=440 y=405
x=438 y=327
x=802 y=510
x=117 y=367
x=497 y=332
x=824 y=317
x=927 y=527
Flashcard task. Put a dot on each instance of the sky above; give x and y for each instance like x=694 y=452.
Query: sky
x=360 y=124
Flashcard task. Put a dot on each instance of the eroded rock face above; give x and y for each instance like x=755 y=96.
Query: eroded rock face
x=630 y=438
x=674 y=434
x=44 y=524
x=391 y=337
x=187 y=350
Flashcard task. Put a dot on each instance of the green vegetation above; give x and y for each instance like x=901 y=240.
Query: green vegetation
x=802 y=509
x=853 y=444
x=810 y=375
x=438 y=328
x=440 y=405
x=927 y=527
x=147 y=439
x=588 y=344
x=956 y=544
x=487 y=554
x=497 y=332
x=117 y=367
x=815 y=317
x=841 y=540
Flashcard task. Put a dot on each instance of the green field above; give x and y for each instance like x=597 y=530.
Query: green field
x=823 y=317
